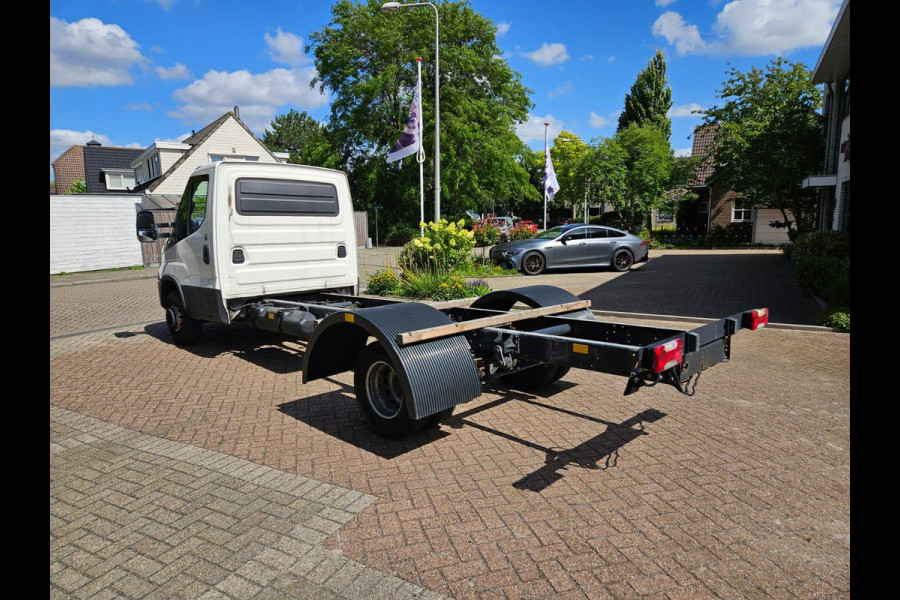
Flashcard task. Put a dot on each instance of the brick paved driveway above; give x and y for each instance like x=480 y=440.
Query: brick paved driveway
x=181 y=473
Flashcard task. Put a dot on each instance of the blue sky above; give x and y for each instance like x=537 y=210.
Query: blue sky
x=131 y=72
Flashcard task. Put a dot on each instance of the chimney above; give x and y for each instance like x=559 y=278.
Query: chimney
x=237 y=112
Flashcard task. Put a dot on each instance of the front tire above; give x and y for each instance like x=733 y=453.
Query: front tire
x=184 y=329
x=534 y=263
x=622 y=260
x=380 y=396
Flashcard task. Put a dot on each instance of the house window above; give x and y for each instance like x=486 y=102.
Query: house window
x=232 y=157
x=741 y=210
x=665 y=215
x=119 y=180
x=155 y=171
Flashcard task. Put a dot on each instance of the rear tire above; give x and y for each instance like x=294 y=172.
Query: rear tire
x=622 y=260
x=435 y=419
x=184 y=329
x=533 y=378
x=380 y=396
x=560 y=373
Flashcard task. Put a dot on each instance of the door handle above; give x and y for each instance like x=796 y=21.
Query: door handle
x=583 y=244
x=205 y=254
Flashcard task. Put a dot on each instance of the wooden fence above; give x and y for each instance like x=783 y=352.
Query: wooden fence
x=153 y=251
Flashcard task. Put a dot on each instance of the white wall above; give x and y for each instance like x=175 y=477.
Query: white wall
x=229 y=138
x=93 y=232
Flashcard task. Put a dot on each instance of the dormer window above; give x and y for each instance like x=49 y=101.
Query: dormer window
x=119 y=179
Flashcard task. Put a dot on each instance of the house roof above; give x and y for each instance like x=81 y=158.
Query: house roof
x=704 y=137
x=195 y=141
x=97 y=158
x=834 y=62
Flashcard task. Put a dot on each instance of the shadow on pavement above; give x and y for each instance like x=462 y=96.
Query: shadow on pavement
x=709 y=285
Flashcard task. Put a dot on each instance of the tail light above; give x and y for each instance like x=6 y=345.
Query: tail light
x=643 y=242
x=666 y=356
x=759 y=318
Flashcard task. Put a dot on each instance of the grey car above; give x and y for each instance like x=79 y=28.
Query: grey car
x=574 y=245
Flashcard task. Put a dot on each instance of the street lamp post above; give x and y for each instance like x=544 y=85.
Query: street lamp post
x=394 y=7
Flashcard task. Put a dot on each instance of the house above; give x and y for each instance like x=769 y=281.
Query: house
x=162 y=170
x=105 y=169
x=833 y=71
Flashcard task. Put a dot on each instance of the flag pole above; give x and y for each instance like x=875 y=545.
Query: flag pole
x=420 y=155
x=546 y=130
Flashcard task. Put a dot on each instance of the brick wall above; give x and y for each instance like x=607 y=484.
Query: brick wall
x=721 y=206
x=68 y=168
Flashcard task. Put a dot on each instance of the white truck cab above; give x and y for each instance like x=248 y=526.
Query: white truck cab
x=245 y=231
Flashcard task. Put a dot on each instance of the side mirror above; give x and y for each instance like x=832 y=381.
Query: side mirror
x=564 y=239
x=146 y=227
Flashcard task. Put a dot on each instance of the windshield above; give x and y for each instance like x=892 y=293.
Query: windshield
x=550 y=234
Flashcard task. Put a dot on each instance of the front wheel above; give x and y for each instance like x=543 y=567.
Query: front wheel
x=184 y=329
x=622 y=260
x=380 y=396
x=533 y=263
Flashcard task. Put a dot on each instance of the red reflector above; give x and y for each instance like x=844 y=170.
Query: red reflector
x=759 y=318
x=644 y=243
x=666 y=356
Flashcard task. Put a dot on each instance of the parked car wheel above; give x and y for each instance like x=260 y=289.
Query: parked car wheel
x=622 y=260
x=533 y=263
x=380 y=396
x=184 y=329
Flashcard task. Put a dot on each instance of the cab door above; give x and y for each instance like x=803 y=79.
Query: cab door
x=189 y=254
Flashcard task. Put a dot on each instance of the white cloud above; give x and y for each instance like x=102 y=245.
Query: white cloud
x=142 y=106
x=177 y=139
x=178 y=71
x=587 y=57
x=164 y=4
x=134 y=145
x=764 y=27
x=90 y=52
x=560 y=90
x=548 y=54
x=682 y=152
x=663 y=2
x=611 y=59
x=596 y=121
x=686 y=38
x=753 y=27
x=286 y=48
x=62 y=139
x=533 y=129
x=684 y=110
x=258 y=95
x=503 y=27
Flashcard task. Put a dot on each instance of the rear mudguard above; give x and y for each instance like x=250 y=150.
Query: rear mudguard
x=435 y=375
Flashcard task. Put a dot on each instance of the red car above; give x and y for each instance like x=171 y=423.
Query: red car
x=528 y=224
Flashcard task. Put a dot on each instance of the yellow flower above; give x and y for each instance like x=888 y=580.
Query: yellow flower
x=453 y=242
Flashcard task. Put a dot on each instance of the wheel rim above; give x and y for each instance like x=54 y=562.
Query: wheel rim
x=173 y=318
x=384 y=391
x=534 y=263
x=623 y=260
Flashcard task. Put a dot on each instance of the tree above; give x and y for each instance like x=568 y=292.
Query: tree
x=79 y=186
x=305 y=139
x=366 y=59
x=650 y=98
x=769 y=137
x=632 y=171
x=567 y=153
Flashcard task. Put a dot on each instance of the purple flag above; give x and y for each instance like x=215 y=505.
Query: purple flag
x=411 y=139
x=550 y=183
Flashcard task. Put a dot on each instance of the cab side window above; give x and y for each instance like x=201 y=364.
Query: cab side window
x=191 y=210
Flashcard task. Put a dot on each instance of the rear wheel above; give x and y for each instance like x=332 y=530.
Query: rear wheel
x=622 y=260
x=380 y=396
x=560 y=373
x=533 y=378
x=184 y=329
x=533 y=263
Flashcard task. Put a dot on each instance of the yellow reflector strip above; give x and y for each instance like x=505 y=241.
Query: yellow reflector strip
x=580 y=348
x=271 y=315
x=349 y=317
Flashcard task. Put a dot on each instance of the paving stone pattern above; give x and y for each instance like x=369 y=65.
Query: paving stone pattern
x=741 y=491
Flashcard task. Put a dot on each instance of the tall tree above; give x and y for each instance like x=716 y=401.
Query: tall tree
x=769 y=138
x=366 y=59
x=567 y=153
x=650 y=98
x=305 y=139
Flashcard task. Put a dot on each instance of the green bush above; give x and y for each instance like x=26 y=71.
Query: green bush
x=837 y=318
x=399 y=235
x=788 y=250
x=485 y=234
x=735 y=234
x=383 y=283
x=668 y=238
x=520 y=232
x=822 y=259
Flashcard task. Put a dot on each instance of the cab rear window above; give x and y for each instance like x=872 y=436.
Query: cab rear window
x=283 y=197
